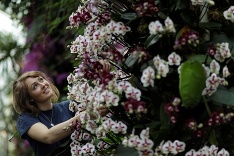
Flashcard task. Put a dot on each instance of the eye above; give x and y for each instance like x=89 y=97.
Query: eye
x=34 y=86
x=40 y=79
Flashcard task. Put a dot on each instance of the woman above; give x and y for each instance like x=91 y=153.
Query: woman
x=45 y=125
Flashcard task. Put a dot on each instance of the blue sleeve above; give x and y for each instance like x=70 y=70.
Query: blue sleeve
x=64 y=107
x=25 y=121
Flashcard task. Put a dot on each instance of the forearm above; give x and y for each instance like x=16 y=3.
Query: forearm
x=41 y=133
x=61 y=130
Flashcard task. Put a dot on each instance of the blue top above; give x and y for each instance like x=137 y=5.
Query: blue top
x=61 y=113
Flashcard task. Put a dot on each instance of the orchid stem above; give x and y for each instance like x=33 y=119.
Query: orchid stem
x=206 y=105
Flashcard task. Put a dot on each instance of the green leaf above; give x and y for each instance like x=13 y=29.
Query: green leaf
x=201 y=58
x=151 y=125
x=55 y=23
x=210 y=25
x=181 y=4
x=148 y=63
x=212 y=139
x=151 y=40
x=121 y=151
x=161 y=134
x=162 y=15
x=185 y=16
x=224 y=96
x=164 y=118
x=131 y=60
x=16 y=134
x=129 y=16
x=220 y=37
x=182 y=31
x=230 y=32
x=36 y=27
x=192 y=82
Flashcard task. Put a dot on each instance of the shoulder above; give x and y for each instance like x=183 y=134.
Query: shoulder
x=25 y=121
x=62 y=106
x=62 y=110
x=27 y=116
x=67 y=102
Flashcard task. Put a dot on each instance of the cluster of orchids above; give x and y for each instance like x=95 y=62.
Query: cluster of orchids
x=212 y=150
x=160 y=76
x=213 y=80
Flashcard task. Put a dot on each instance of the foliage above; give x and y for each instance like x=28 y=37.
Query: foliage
x=9 y=56
x=172 y=61
x=47 y=41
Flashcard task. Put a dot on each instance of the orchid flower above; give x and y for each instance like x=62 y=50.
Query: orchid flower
x=148 y=77
x=229 y=14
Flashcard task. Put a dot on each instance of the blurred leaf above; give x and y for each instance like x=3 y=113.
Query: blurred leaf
x=36 y=27
x=212 y=139
x=185 y=16
x=180 y=33
x=55 y=23
x=129 y=16
x=148 y=63
x=210 y=25
x=230 y=31
x=224 y=96
x=181 y=4
x=201 y=58
x=16 y=134
x=223 y=37
x=162 y=15
x=161 y=134
x=152 y=39
x=220 y=37
x=164 y=118
x=192 y=82
x=124 y=151
x=10 y=53
x=131 y=60
x=151 y=125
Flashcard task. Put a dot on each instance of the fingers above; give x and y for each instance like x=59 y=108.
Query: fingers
x=78 y=117
x=106 y=65
x=102 y=110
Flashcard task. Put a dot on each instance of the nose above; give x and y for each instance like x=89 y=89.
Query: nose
x=42 y=84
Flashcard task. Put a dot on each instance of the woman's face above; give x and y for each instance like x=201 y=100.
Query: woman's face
x=39 y=89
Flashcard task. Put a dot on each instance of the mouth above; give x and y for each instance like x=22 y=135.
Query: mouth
x=47 y=90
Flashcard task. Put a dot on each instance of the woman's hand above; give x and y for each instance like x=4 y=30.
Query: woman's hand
x=106 y=65
x=103 y=110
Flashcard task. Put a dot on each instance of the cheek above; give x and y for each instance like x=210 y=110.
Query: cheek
x=34 y=94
